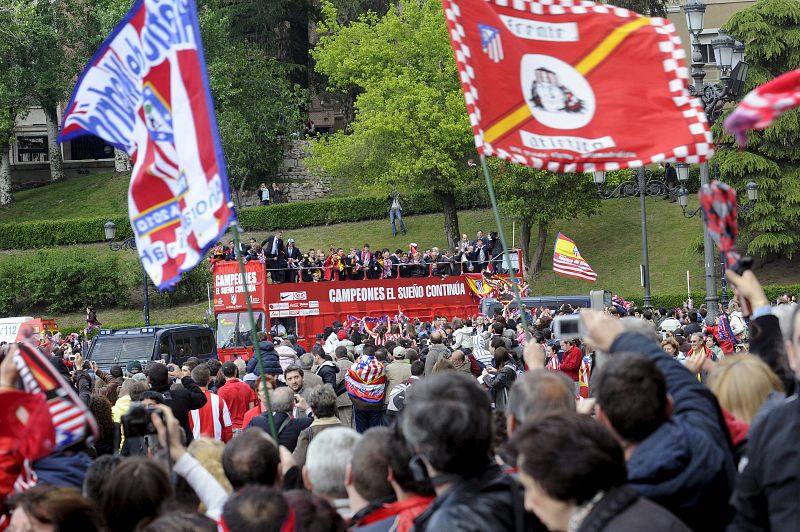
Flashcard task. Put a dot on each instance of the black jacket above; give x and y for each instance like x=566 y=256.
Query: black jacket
x=766 y=341
x=288 y=429
x=269 y=359
x=327 y=372
x=623 y=510
x=182 y=400
x=266 y=245
x=491 y=501
x=767 y=495
x=686 y=465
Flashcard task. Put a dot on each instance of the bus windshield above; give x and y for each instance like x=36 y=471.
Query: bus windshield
x=233 y=329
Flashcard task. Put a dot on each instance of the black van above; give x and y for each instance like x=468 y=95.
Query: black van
x=175 y=343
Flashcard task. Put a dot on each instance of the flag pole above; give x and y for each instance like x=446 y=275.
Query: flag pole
x=501 y=233
x=256 y=350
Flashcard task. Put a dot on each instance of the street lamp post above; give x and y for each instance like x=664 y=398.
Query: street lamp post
x=110 y=229
x=642 y=188
x=729 y=55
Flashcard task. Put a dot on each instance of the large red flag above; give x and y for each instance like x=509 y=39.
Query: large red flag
x=574 y=86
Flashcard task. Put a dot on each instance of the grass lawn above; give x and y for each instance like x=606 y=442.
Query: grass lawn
x=102 y=194
x=115 y=318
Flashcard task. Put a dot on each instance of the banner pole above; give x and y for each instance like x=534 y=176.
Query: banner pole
x=501 y=233
x=256 y=350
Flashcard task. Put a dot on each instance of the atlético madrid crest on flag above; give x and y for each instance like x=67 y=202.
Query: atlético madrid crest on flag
x=571 y=86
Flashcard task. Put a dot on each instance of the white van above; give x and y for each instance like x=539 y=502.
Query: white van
x=10 y=326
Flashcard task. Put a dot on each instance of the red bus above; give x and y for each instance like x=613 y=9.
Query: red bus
x=306 y=308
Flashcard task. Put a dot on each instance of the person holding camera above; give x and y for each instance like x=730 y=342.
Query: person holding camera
x=181 y=400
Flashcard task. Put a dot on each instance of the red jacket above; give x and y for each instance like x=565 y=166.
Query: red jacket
x=571 y=362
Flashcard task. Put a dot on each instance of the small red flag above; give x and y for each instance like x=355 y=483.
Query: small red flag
x=574 y=86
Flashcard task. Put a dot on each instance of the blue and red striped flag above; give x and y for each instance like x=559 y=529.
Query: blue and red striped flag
x=146 y=92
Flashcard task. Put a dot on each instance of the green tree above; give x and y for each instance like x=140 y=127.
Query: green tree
x=258 y=108
x=411 y=130
x=535 y=198
x=770 y=30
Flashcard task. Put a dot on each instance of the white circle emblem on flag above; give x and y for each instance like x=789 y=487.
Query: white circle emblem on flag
x=557 y=95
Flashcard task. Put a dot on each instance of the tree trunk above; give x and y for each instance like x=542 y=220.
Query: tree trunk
x=56 y=161
x=538 y=255
x=525 y=240
x=5 y=177
x=122 y=161
x=451 y=229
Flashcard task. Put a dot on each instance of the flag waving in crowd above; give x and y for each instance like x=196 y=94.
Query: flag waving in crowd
x=547 y=84
x=764 y=104
x=146 y=92
x=567 y=260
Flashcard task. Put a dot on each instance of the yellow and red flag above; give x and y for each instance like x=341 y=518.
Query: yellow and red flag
x=567 y=260
x=548 y=84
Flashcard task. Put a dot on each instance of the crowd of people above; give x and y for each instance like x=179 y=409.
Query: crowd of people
x=650 y=420
x=285 y=262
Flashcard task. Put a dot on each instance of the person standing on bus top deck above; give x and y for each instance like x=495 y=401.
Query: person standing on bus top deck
x=396 y=212
x=274 y=252
x=292 y=259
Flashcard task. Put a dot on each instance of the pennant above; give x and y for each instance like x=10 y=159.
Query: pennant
x=567 y=260
x=764 y=104
x=548 y=84
x=584 y=373
x=70 y=418
x=146 y=92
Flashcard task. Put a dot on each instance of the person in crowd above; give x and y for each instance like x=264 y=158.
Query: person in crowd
x=586 y=487
x=436 y=352
x=45 y=507
x=366 y=384
x=326 y=369
x=670 y=323
x=257 y=507
x=288 y=427
x=472 y=493
x=571 y=361
x=277 y=194
x=398 y=370
x=252 y=458
x=769 y=476
x=181 y=400
x=208 y=453
x=712 y=344
x=500 y=378
x=261 y=407
x=296 y=381
x=213 y=420
x=313 y=513
x=538 y=393
x=287 y=355
x=101 y=410
x=327 y=460
x=460 y=362
x=270 y=360
x=367 y=477
x=670 y=425
x=238 y=396
x=322 y=402
x=344 y=406
x=671 y=347
x=109 y=383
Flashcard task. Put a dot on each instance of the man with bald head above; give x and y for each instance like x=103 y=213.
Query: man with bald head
x=461 y=362
x=436 y=352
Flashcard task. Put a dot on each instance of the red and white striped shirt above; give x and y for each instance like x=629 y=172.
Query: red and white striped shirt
x=213 y=420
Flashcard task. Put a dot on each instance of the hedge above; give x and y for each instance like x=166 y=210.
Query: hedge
x=352 y=209
x=63 y=280
x=773 y=292
x=42 y=234
x=49 y=233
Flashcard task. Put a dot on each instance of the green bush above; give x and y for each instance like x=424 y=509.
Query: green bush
x=42 y=234
x=669 y=301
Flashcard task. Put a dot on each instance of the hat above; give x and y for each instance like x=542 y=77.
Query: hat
x=341 y=335
x=134 y=367
x=399 y=352
x=337 y=323
x=290 y=241
x=250 y=377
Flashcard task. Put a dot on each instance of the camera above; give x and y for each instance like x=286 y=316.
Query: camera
x=137 y=421
x=568 y=327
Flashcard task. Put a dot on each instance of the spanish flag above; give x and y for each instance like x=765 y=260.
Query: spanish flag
x=567 y=260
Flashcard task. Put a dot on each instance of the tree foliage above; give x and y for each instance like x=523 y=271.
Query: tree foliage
x=770 y=30
x=535 y=198
x=411 y=130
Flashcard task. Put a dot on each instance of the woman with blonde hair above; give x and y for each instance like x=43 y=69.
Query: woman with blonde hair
x=742 y=384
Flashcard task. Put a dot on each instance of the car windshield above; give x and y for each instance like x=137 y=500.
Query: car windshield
x=233 y=329
x=122 y=349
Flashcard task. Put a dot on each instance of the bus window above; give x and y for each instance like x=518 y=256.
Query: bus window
x=205 y=344
x=283 y=326
x=233 y=329
x=163 y=347
x=183 y=345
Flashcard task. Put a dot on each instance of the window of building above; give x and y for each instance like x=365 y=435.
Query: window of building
x=32 y=149
x=90 y=147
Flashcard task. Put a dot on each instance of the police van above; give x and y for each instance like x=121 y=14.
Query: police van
x=173 y=343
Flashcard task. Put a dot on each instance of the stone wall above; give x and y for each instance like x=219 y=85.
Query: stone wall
x=295 y=179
